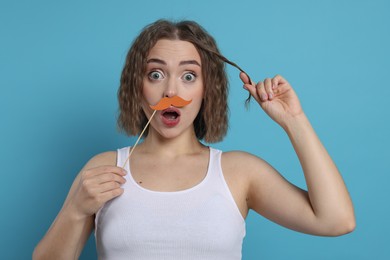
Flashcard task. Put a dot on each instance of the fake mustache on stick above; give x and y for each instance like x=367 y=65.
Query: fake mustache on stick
x=166 y=102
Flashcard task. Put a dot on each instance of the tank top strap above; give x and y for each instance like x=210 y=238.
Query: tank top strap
x=218 y=181
x=214 y=162
x=215 y=168
x=121 y=157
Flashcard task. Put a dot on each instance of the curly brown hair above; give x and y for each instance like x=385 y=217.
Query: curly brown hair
x=211 y=122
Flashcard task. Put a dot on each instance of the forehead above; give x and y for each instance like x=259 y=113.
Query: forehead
x=172 y=50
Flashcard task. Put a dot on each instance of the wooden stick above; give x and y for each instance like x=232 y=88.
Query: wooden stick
x=132 y=148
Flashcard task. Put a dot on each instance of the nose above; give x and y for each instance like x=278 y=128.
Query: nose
x=171 y=88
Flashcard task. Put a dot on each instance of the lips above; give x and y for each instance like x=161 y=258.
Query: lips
x=170 y=116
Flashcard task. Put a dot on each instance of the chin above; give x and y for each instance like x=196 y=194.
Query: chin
x=171 y=133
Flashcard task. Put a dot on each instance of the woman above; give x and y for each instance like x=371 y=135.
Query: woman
x=177 y=198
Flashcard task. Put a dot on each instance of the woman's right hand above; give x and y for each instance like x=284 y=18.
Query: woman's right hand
x=94 y=188
x=98 y=182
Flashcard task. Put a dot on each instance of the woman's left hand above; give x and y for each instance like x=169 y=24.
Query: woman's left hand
x=276 y=97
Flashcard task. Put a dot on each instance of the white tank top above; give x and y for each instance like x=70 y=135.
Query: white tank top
x=202 y=222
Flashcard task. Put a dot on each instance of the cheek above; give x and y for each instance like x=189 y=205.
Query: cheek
x=150 y=97
x=198 y=97
x=198 y=91
x=197 y=101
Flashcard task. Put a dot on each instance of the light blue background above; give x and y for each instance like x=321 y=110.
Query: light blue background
x=60 y=64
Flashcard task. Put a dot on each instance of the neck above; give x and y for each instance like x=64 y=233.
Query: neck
x=187 y=143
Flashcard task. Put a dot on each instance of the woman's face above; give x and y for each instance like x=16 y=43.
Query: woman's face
x=173 y=69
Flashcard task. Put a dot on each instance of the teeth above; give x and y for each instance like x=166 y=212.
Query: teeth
x=171 y=115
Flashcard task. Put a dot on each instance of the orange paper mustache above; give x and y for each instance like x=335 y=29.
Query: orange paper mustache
x=166 y=102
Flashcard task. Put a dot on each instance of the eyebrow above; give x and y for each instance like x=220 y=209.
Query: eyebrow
x=184 y=62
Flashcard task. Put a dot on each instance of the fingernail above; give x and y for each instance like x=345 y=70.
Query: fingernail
x=264 y=97
x=270 y=96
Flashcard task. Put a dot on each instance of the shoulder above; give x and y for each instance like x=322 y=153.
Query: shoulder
x=105 y=158
x=241 y=161
x=237 y=155
x=242 y=166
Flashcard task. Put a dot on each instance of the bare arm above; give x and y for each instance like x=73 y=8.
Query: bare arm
x=326 y=208
x=328 y=195
x=94 y=185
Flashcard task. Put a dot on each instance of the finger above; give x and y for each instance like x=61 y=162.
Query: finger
x=253 y=91
x=244 y=78
x=280 y=85
x=278 y=80
x=105 y=169
x=261 y=93
x=109 y=195
x=107 y=186
x=110 y=177
x=268 y=88
x=249 y=87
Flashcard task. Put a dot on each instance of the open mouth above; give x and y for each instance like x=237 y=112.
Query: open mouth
x=170 y=113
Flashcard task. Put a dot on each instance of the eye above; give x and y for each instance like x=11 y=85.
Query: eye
x=155 y=75
x=190 y=76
